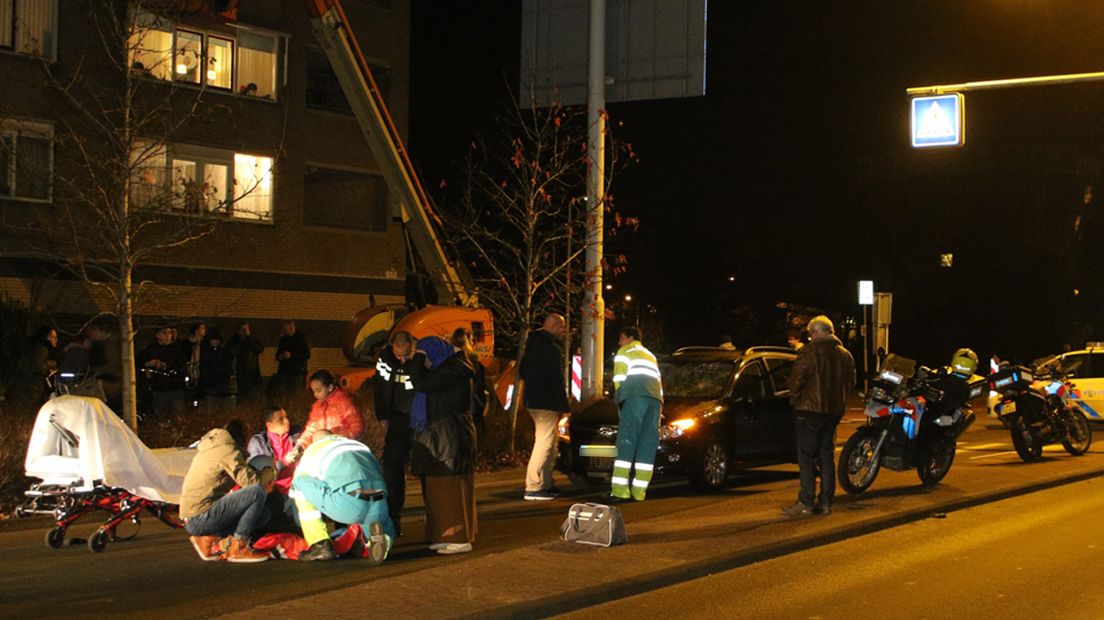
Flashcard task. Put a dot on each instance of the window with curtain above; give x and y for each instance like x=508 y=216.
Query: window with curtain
x=252 y=187
x=188 y=59
x=26 y=160
x=150 y=179
x=7 y=24
x=220 y=62
x=29 y=26
x=257 y=56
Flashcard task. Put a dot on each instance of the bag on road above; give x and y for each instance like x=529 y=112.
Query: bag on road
x=594 y=524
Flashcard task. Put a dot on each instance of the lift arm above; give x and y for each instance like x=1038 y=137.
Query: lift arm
x=328 y=20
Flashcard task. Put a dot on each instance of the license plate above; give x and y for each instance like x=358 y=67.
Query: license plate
x=599 y=450
x=1007 y=408
x=599 y=464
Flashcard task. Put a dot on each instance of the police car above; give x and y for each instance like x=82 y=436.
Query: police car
x=1085 y=369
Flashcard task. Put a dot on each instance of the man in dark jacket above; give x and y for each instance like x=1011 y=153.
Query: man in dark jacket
x=247 y=349
x=545 y=397
x=292 y=354
x=163 y=366
x=394 y=393
x=217 y=375
x=822 y=375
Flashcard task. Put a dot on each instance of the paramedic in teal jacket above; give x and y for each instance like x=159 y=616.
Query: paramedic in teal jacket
x=341 y=479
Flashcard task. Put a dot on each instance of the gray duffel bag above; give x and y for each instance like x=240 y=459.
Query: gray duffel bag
x=594 y=524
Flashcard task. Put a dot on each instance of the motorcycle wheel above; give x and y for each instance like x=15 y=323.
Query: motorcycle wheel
x=935 y=461
x=1027 y=444
x=857 y=468
x=1078 y=433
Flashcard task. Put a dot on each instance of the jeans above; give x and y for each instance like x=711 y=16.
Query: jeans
x=237 y=513
x=816 y=451
x=538 y=476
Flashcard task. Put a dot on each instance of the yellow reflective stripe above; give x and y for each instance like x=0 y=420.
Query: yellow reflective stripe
x=619 y=378
x=621 y=358
x=645 y=372
x=644 y=467
x=619 y=480
x=640 y=484
x=310 y=515
x=384 y=370
x=624 y=464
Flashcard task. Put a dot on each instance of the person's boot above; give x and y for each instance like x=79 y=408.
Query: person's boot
x=379 y=544
x=239 y=551
x=204 y=546
x=321 y=550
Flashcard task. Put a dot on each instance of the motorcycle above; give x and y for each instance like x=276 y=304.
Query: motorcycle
x=914 y=418
x=1038 y=410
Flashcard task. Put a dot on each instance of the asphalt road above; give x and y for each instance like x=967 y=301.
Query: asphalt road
x=158 y=572
x=1034 y=556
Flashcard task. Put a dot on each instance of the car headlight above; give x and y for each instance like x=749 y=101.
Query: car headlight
x=563 y=428
x=677 y=429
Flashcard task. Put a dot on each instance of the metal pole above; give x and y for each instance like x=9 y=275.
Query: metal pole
x=594 y=309
x=1044 y=80
x=866 y=348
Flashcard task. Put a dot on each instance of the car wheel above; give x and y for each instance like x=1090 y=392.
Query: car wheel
x=711 y=469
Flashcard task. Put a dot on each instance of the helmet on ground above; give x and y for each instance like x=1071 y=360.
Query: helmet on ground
x=964 y=361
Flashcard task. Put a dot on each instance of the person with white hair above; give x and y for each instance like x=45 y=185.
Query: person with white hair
x=822 y=375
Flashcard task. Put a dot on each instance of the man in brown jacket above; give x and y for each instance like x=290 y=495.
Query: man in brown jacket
x=215 y=517
x=823 y=374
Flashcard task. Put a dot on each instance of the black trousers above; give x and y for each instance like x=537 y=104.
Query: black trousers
x=816 y=451
x=396 y=454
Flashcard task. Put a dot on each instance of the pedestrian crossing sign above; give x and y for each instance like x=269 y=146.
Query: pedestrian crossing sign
x=938 y=120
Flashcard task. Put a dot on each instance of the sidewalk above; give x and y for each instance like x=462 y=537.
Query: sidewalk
x=742 y=527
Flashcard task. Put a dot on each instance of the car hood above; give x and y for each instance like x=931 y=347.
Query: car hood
x=605 y=411
x=678 y=408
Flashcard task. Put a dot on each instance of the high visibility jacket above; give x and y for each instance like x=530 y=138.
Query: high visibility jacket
x=340 y=462
x=636 y=373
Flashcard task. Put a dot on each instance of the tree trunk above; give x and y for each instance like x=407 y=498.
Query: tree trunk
x=515 y=406
x=126 y=344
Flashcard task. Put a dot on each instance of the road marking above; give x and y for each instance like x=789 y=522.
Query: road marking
x=985 y=456
x=983 y=446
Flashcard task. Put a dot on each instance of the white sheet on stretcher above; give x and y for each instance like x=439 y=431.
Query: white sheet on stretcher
x=108 y=450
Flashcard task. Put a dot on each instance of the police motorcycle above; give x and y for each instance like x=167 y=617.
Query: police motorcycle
x=914 y=417
x=1038 y=410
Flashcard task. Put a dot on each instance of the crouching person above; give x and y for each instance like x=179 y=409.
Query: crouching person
x=340 y=478
x=222 y=522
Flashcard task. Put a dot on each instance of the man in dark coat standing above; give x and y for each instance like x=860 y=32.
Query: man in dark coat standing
x=823 y=374
x=292 y=354
x=247 y=349
x=545 y=396
x=394 y=394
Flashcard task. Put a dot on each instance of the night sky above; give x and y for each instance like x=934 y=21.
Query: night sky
x=794 y=176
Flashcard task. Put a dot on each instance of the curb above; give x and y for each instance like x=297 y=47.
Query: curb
x=595 y=595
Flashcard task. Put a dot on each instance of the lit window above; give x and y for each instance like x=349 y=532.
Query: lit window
x=252 y=187
x=220 y=64
x=189 y=56
x=257 y=65
x=26 y=160
x=149 y=47
x=149 y=187
x=28 y=26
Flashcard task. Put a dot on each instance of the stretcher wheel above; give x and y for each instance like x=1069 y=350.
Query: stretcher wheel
x=97 y=541
x=55 y=537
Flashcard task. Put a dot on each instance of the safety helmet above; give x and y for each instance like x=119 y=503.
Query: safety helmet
x=964 y=361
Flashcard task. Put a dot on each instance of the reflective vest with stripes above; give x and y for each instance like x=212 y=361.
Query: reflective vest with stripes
x=636 y=373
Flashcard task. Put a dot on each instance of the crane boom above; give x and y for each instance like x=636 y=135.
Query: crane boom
x=451 y=281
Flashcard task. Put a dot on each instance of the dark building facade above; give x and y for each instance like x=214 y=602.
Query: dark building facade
x=302 y=223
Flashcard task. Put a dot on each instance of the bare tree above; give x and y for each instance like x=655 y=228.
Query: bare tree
x=120 y=202
x=520 y=224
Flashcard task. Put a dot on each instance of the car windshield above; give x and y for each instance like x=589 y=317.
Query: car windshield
x=696 y=379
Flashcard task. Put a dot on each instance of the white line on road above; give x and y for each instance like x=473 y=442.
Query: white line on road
x=985 y=456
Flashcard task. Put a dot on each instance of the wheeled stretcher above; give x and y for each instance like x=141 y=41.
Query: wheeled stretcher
x=89 y=461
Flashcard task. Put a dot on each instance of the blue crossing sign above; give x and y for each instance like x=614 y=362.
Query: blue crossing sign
x=938 y=120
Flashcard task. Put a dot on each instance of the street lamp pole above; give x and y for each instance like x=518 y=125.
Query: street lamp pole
x=594 y=310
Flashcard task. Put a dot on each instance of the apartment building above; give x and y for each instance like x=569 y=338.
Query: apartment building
x=313 y=238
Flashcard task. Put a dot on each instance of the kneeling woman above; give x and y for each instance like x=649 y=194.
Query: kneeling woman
x=443 y=453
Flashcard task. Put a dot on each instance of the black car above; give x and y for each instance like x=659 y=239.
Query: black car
x=723 y=410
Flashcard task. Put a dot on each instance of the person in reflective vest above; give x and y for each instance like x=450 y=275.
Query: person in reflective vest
x=639 y=394
x=341 y=479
